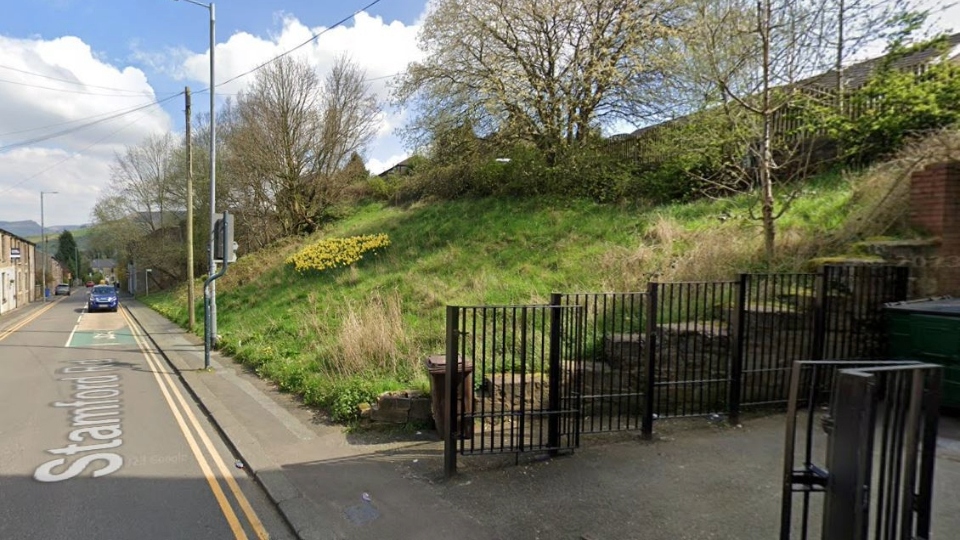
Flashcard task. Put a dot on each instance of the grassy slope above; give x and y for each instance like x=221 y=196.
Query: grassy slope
x=365 y=329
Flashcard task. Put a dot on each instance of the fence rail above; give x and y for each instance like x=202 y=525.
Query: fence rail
x=513 y=380
x=599 y=362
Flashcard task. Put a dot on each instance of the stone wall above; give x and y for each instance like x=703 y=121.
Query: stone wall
x=403 y=407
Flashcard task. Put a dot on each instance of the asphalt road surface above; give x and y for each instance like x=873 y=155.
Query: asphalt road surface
x=99 y=439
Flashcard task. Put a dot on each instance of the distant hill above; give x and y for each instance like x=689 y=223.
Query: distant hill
x=31 y=229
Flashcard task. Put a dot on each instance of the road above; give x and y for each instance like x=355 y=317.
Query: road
x=99 y=439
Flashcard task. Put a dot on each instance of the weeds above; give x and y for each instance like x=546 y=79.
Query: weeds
x=341 y=340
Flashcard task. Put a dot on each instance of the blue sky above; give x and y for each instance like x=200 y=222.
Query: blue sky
x=126 y=53
x=64 y=63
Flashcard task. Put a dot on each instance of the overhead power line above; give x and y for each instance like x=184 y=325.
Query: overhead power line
x=312 y=39
x=68 y=90
x=84 y=149
x=82 y=126
x=78 y=83
x=111 y=114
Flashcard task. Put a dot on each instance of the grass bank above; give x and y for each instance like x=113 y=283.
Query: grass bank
x=341 y=336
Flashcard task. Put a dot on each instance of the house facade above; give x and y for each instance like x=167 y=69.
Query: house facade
x=18 y=265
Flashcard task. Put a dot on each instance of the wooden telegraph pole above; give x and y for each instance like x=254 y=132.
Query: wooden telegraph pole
x=191 y=294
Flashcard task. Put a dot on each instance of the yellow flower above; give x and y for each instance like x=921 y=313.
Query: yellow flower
x=337 y=252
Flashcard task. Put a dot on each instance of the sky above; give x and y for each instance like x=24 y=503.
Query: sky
x=78 y=77
x=67 y=63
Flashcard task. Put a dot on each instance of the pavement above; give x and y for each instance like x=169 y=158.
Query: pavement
x=697 y=480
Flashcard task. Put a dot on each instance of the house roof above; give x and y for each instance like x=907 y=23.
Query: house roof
x=396 y=167
x=856 y=75
x=22 y=239
x=100 y=264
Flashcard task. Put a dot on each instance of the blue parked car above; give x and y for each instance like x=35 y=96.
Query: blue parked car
x=103 y=297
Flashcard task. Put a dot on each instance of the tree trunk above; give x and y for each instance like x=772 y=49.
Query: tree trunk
x=766 y=155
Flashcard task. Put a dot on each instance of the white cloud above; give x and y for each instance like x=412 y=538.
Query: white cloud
x=59 y=86
x=77 y=182
x=381 y=49
x=77 y=164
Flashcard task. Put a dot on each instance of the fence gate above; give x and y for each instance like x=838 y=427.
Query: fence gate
x=514 y=380
x=613 y=383
x=871 y=489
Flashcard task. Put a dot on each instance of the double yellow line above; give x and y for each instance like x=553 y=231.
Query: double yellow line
x=167 y=387
x=4 y=334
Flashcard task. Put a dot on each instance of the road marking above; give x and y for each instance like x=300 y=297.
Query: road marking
x=9 y=331
x=162 y=376
x=70 y=337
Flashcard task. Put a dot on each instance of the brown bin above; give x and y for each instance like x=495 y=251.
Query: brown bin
x=437 y=367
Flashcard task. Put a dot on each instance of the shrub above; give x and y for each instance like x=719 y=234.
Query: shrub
x=337 y=252
x=894 y=105
x=345 y=405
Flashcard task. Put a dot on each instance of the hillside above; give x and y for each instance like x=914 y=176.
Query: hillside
x=30 y=229
x=338 y=336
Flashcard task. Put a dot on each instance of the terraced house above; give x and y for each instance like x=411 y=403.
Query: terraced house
x=17 y=271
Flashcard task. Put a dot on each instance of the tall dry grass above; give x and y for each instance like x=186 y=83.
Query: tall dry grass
x=668 y=251
x=373 y=338
x=671 y=251
x=882 y=192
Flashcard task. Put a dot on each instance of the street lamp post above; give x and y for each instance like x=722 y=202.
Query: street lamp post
x=146 y=280
x=43 y=239
x=210 y=293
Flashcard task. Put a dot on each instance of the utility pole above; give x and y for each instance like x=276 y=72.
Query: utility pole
x=191 y=298
x=212 y=336
x=43 y=239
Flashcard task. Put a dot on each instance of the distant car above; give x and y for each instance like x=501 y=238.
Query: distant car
x=89 y=284
x=103 y=297
x=62 y=288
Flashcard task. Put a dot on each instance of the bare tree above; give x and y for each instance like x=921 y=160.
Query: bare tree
x=291 y=134
x=543 y=71
x=139 y=217
x=143 y=175
x=753 y=53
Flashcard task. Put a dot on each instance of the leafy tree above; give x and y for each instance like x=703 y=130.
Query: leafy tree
x=546 y=72
x=355 y=170
x=896 y=104
x=67 y=253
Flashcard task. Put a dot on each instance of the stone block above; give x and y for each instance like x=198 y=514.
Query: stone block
x=391 y=408
x=420 y=409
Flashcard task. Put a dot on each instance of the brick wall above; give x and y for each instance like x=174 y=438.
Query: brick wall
x=935 y=209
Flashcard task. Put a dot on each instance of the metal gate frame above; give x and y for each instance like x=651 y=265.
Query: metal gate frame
x=901 y=399
x=524 y=344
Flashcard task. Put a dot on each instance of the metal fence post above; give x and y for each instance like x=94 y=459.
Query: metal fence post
x=849 y=458
x=450 y=392
x=553 y=424
x=928 y=450
x=651 y=346
x=820 y=307
x=736 y=359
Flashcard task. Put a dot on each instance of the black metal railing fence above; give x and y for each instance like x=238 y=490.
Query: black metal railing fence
x=596 y=362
